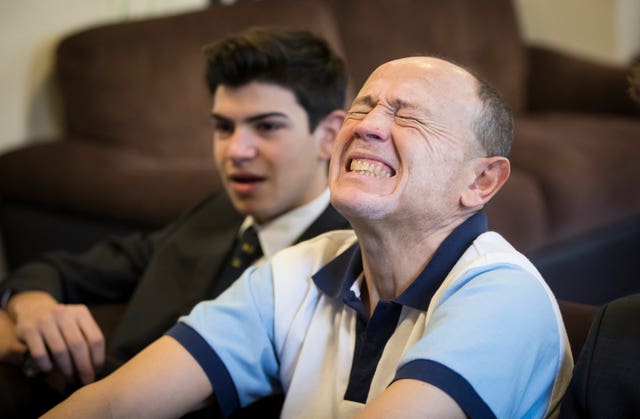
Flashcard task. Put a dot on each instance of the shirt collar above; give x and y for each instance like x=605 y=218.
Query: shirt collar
x=337 y=277
x=285 y=229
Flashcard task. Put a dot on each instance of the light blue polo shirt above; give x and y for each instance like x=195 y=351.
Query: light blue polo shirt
x=478 y=322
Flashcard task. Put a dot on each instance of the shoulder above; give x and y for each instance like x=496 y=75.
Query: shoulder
x=315 y=252
x=492 y=260
x=616 y=328
x=210 y=217
x=495 y=306
x=605 y=379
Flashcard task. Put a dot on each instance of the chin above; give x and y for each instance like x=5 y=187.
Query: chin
x=357 y=205
x=244 y=207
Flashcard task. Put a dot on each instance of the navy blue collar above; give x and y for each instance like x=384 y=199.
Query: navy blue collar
x=336 y=278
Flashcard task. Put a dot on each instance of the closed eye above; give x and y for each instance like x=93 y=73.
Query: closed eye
x=357 y=113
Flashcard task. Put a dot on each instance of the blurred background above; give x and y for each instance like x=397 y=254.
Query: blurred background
x=604 y=30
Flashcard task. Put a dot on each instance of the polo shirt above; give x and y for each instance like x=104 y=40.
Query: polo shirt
x=478 y=322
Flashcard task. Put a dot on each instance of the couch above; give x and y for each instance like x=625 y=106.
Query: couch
x=136 y=150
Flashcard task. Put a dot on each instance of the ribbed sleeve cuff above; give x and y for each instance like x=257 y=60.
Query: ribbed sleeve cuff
x=223 y=386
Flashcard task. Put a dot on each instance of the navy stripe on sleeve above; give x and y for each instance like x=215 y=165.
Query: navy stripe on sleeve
x=449 y=381
x=223 y=386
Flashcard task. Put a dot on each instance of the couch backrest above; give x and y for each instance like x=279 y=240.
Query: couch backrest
x=482 y=35
x=141 y=83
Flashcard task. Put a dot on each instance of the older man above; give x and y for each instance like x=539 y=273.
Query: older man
x=421 y=313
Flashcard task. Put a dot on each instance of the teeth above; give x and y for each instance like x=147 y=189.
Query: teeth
x=369 y=169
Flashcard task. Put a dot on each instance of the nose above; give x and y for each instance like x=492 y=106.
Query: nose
x=241 y=145
x=375 y=126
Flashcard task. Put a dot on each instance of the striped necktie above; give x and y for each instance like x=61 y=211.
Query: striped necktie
x=246 y=250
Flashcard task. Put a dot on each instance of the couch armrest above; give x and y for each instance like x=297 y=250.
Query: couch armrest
x=577 y=319
x=557 y=81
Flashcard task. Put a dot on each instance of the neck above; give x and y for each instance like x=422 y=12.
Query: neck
x=394 y=257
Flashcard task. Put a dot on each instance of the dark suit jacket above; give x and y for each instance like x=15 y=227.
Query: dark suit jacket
x=162 y=276
x=606 y=377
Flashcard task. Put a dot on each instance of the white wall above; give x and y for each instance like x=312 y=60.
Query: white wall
x=603 y=30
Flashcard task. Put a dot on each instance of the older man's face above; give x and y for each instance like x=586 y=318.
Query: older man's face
x=403 y=148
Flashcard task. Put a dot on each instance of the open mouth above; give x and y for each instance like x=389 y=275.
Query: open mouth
x=246 y=178
x=370 y=168
x=245 y=185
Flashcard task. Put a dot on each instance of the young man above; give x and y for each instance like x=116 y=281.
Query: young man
x=421 y=313
x=278 y=97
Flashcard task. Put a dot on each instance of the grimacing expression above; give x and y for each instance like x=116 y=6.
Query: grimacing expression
x=403 y=148
x=268 y=160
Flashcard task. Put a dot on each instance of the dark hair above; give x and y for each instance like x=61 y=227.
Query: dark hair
x=293 y=59
x=494 y=126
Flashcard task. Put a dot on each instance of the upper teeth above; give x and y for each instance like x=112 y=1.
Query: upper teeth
x=369 y=168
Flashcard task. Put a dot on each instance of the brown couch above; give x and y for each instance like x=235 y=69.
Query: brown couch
x=137 y=150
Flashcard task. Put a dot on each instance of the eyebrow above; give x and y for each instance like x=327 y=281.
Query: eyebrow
x=364 y=100
x=396 y=104
x=252 y=118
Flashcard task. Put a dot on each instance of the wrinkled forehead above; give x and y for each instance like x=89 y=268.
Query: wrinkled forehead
x=422 y=82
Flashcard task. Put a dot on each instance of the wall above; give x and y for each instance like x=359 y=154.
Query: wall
x=603 y=30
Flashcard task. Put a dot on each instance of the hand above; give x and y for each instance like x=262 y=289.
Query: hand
x=11 y=349
x=63 y=335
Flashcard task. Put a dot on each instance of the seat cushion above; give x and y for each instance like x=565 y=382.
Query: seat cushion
x=584 y=165
x=108 y=182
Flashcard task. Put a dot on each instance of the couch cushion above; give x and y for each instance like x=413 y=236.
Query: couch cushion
x=585 y=167
x=520 y=199
x=482 y=35
x=141 y=83
x=106 y=182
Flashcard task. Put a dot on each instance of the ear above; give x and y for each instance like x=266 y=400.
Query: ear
x=326 y=132
x=490 y=174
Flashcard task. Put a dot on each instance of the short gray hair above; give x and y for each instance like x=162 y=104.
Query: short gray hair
x=493 y=127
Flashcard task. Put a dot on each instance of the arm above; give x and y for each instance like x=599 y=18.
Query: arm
x=67 y=336
x=412 y=399
x=495 y=345
x=107 y=272
x=110 y=270
x=163 y=380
